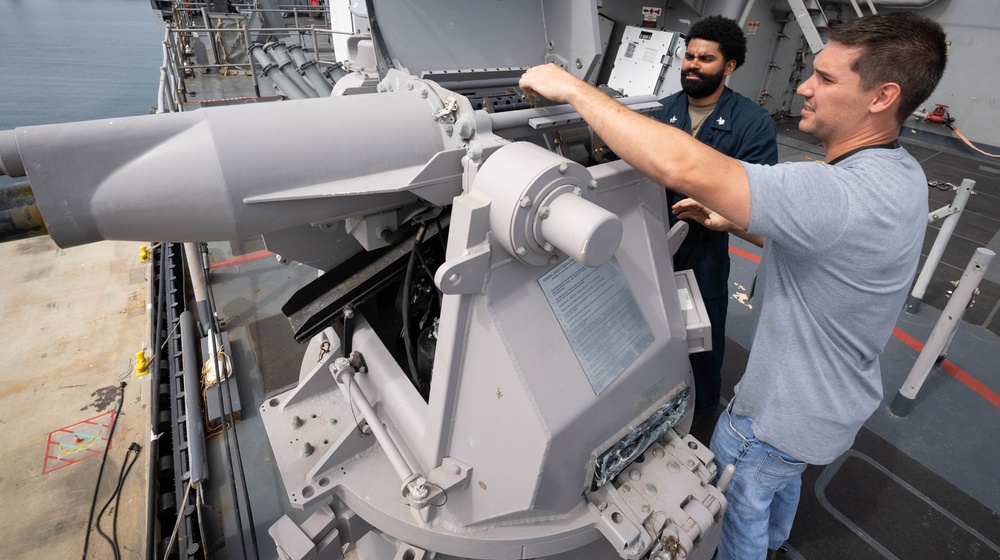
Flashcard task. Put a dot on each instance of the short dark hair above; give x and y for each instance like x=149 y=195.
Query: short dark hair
x=725 y=32
x=902 y=47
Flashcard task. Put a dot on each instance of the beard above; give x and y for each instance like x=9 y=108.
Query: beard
x=705 y=86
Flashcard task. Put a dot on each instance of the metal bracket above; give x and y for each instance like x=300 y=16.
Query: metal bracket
x=676 y=236
x=465 y=274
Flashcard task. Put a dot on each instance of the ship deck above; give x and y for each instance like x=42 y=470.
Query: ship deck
x=922 y=486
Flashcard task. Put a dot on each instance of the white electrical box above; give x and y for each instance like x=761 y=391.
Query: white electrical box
x=648 y=61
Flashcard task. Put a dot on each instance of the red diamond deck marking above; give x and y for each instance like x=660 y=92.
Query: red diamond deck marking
x=74 y=443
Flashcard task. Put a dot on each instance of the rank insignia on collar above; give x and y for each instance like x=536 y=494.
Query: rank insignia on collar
x=721 y=121
x=673 y=120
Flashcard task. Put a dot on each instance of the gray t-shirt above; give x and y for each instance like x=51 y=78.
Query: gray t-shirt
x=842 y=245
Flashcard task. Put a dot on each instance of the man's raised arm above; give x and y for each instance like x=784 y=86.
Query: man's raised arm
x=665 y=154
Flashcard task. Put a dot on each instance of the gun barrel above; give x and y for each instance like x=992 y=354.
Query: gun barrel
x=222 y=173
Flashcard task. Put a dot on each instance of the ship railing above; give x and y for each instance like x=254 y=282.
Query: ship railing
x=227 y=38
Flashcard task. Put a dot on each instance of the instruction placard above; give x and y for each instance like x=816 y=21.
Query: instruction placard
x=600 y=317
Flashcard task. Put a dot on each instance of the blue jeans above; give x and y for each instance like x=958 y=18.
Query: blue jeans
x=763 y=495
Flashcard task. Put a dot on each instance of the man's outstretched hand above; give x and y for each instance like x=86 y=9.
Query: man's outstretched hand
x=551 y=82
x=690 y=209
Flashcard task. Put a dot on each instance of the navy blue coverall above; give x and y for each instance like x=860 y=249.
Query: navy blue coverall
x=739 y=128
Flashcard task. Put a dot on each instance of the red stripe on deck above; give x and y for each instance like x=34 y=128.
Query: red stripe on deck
x=256 y=256
x=956 y=372
x=745 y=254
x=948 y=366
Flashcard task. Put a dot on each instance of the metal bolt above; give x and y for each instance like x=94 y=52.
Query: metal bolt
x=579 y=63
x=553 y=259
x=307 y=449
x=601 y=506
x=646 y=509
x=521 y=251
x=577 y=191
x=634 y=474
x=548 y=247
x=673 y=466
x=650 y=489
x=543 y=212
x=563 y=168
x=525 y=201
x=592 y=184
x=693 y=445
x=348 y=313
x=423 y=92
x=456 y=469
x=297 y=422
x=409 y=86
x=658 y=453
x=449 y=129
x=690 y=464
x=419 y=488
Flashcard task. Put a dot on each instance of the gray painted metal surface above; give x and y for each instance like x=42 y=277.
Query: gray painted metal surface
x=517 y=417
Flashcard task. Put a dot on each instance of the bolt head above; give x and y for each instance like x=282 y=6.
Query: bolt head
x=521 y=251
x=563 y=167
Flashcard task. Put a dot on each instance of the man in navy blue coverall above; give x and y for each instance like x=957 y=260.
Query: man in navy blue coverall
x=736 y=127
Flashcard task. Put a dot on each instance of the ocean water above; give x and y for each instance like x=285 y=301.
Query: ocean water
x=76 y=60
x=72 y=60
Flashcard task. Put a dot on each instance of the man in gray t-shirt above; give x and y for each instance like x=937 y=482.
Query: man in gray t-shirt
x=841 y=243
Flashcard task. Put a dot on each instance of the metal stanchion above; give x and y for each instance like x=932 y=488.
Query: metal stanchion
x=951 y=214
x=943 y=331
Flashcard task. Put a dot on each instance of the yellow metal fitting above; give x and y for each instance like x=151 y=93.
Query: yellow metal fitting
x=144 y=254
x=141 y=363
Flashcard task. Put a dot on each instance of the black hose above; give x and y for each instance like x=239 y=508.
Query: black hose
x=407 y=286
x=116 y=497
x=121 y=482
x=220 y=380
x=100 y=472
x=239 y=463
